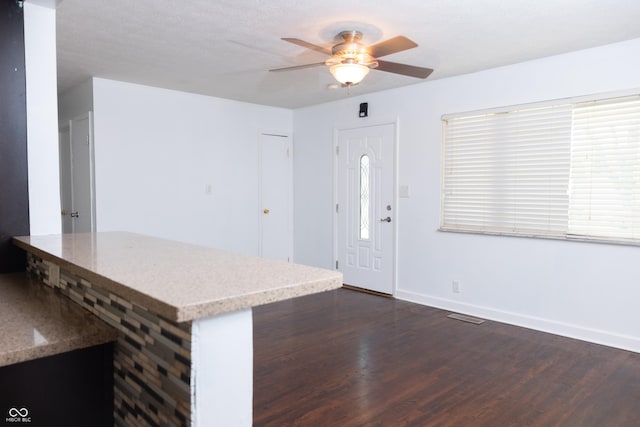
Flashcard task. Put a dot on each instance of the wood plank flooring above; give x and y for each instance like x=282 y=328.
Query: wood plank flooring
x=344 y=358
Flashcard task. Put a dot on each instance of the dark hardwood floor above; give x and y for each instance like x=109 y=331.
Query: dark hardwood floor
x=345 y=358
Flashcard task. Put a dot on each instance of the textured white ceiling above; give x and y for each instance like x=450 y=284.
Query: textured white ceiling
x=225 y=47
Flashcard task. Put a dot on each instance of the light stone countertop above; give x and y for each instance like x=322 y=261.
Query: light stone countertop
x=36 y=322
x=179 y=281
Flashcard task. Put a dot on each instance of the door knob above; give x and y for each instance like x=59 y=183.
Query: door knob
x=266 y=211
x=75 y=215
x=387 y=219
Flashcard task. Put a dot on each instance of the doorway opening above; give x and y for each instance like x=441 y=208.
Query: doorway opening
x=77 y=179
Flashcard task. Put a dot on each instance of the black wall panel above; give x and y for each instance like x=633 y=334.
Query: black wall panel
x=68 y=389
x=14 y=189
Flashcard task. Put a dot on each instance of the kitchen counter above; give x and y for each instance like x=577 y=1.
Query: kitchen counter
x=184 y=348
x=36 y=322
x=179 y=281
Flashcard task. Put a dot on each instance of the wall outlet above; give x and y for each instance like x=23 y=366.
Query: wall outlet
x=455 y=286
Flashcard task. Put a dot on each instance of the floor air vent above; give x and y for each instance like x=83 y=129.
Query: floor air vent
x=465 y=318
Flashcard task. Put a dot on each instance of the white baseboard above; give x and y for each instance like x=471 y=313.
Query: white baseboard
x=624 y=342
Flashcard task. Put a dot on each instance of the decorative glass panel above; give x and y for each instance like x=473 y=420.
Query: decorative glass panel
x=364 y=197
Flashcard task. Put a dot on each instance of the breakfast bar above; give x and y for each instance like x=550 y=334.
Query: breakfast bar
x=36 y=323
x=183 y=354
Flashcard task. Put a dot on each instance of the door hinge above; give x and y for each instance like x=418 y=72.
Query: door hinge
x=337 y=150
x=288 y=152
x=87 y=139
x=337 y=208
x=336 y=264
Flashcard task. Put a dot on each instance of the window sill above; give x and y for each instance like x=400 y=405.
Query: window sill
x=567 y=238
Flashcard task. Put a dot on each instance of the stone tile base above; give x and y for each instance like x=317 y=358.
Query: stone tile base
x=152 y=355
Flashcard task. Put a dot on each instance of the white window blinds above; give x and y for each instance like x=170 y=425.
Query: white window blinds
x=570 y=170
x=508 y=172
x=605 y=169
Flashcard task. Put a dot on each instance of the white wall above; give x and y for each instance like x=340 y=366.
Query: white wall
x=589 y=291
x=156 y=150
x=75 y=102
x=42 y=118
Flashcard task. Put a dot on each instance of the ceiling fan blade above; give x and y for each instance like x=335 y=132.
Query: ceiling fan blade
x=404 y=69
x=298 y=67
x=387 y=47
x=307 y=45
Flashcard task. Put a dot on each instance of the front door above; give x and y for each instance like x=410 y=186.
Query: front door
x=366 y=207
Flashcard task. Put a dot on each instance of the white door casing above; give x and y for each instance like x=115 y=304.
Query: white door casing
x=276 y=231
x=366 y=219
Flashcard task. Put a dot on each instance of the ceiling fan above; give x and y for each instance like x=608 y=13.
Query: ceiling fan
x=350 y=60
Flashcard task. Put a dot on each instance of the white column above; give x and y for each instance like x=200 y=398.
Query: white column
x=222 y=370
x=42 y=117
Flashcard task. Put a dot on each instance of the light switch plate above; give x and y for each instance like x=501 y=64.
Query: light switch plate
x=404 y=191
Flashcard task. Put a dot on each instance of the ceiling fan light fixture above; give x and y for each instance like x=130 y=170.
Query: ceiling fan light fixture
x=349 y=74
x=350 y=60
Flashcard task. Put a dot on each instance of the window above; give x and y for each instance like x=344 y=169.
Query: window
x=568 y=169
x=364 y=197
x=605 y=169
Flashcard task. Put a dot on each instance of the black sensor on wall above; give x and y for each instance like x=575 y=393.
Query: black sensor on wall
x=364 y=109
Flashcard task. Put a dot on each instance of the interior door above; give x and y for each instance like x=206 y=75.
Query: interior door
x=366 y=204
x=64 y=146
x=76 y=172
x=275 y=190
